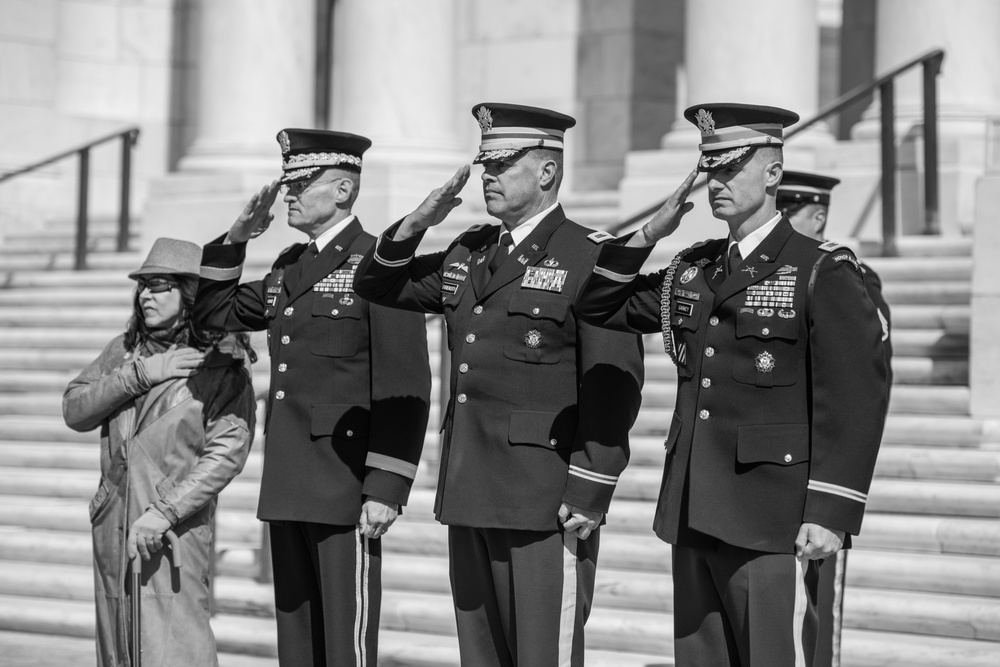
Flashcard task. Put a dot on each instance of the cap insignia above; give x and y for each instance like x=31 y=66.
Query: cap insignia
x=283 y=142
x=705 y=122
x=485 y=117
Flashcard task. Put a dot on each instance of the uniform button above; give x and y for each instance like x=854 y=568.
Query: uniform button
x=289 y=311
x=463 y=368
x=335 y=312
x=765 y=331
x=350 y=433
x=704 y=414
x=471 y=338
x=462 y=398
x=282 y=368
x=714 y=321
x=709 y=351
x=553 y=442
x=706 y=382
x=477 y=310
x=285 y=340
x=788 y=458
x=535 y=311
x=280 y=394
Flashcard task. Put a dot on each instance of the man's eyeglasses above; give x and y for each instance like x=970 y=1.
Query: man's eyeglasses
x=156 y=285
x=296 y=189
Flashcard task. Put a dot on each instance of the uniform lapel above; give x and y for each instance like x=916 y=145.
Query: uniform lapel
x=759 y=265
x=528 y=252
x=329 y=259
x=479 y=269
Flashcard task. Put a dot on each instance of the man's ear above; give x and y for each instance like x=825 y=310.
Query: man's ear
x=772 y=174
x=345 y=190
x=819 y=220
x=548 y=170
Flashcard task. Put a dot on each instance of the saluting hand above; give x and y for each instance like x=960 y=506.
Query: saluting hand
x=436 y=206
x=814 y=542
x=578 y=520
x=174 y=363
x=256 y=216
x=665 y=221
x=376 y=517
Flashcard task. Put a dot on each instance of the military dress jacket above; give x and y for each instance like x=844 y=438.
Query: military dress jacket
x=873 y=284
x=541 y=403
x=780 y=403
x=350 y=381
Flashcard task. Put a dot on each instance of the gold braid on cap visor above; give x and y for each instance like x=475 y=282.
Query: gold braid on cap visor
x=713 y=162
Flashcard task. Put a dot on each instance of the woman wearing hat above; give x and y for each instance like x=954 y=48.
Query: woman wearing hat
x=176 y=412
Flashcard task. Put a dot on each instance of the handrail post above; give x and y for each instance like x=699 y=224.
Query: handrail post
x=128 y=140
x=932 y=212
x=888 y=118
x=80 y=262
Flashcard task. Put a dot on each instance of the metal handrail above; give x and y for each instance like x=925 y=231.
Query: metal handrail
x=129 y=136
x=931 y=62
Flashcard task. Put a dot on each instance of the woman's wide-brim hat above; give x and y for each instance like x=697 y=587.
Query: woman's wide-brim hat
x=171 y=257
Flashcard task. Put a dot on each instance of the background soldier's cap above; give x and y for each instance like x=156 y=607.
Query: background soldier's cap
x=510 y=130
x=730 y=133
x=799 y=187
x=171 y=257
x=304 y=152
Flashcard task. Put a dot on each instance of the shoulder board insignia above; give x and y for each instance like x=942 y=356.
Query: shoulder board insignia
x=830 y=246
x=600 y=237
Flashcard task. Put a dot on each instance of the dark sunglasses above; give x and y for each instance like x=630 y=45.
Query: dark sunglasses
x=156 y=285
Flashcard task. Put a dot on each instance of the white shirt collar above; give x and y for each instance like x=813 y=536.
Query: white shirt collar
x=521 y=231
x=753 y=239
x=323 y=240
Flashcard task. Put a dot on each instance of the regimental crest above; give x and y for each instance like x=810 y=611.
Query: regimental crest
x=764 y=362
x=485 y=118
x=533 y=339
x=705 y=122
x=284 y=143
x=688 y=275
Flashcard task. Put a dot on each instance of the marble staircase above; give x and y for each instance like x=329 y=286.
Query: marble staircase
x=923 y=581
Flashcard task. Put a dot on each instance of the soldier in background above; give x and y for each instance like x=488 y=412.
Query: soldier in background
x=348 y=402
x=780 y=403
x=536 y=432
x=805 y=200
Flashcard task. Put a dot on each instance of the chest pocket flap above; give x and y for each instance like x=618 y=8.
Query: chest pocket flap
x=536 y=331
x=537 y=304
x=338 y=333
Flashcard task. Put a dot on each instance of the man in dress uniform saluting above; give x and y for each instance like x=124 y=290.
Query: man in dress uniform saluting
x=537 y=426
x=804 y=199
x=348 y=402
x=780 y=405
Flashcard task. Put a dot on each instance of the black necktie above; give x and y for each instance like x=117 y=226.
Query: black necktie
x=500 y=252
x=734 y=258
x=296 y=270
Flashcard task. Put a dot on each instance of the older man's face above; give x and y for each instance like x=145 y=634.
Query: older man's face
x=735 y=193
x=512 y=189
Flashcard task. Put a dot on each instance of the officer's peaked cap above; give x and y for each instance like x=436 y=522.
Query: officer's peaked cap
x=304 y=152
x=510 y=130
x=731 y=132
x=800 y=187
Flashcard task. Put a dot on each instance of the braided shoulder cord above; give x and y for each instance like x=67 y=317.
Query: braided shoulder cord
x=668 y=281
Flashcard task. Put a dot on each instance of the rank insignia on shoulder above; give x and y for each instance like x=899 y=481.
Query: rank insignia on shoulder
x=550 y=280
x=829 y=246
x=551 y=262
x=600 y=237
x=689 y=275
x=355 y=259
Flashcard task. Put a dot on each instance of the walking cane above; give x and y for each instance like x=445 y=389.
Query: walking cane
x=135 y=566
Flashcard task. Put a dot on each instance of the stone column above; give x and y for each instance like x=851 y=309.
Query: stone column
x=394 y=74
x=255 y=76
x=255 y=71
x=764 y=52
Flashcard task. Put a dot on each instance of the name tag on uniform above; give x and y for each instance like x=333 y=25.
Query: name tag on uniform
x=449 y=287
x=341 y=280
x=684 y=308
x=540 y=277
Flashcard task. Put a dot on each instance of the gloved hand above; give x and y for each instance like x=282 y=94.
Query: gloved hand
x=146 y=534
x=174 y=363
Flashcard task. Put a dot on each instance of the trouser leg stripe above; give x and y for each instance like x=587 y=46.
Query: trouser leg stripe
x=567 y=617
x=360 y=598
x=799 y=614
